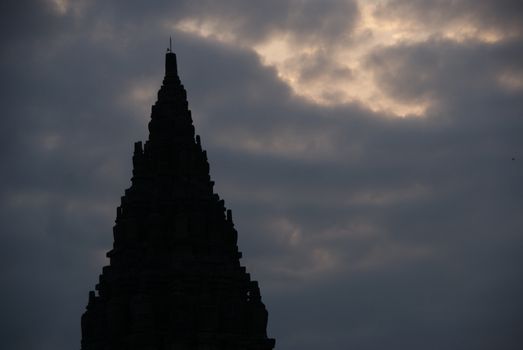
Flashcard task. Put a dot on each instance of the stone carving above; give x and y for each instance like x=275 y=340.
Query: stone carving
x=174 y=280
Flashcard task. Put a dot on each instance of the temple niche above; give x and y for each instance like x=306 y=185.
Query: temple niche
x=174 y=281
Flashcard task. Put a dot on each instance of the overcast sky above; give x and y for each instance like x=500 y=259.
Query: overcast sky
x=371 y=152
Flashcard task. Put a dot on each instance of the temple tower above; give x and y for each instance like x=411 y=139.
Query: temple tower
x=174 y=281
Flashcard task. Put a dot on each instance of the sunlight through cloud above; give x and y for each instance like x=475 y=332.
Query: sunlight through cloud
x=336 y=73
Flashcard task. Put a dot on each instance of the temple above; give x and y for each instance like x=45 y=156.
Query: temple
x=174 y=279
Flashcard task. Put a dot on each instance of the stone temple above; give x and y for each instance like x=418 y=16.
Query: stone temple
x=174 y=281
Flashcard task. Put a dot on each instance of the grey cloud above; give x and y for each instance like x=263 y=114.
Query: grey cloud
x=319 y=64
x=306 y=21
x=504 y=15
x=449 y=157
x=441 y=70
x=22 y=27
x=455 y=221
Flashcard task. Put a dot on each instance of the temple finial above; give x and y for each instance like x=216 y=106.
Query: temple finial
x=170 y=48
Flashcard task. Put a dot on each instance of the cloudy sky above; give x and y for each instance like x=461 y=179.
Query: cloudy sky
x=370 y=150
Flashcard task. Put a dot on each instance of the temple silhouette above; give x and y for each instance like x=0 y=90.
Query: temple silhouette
x=174 y=280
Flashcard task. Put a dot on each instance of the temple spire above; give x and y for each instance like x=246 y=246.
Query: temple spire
x=174 y=279
x=171 y=68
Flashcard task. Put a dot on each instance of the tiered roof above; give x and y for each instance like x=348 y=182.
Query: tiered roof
x=174 y=280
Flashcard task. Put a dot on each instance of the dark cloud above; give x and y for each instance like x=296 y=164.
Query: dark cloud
x=442 y=70
x=364 y=230
x=305 y=21
x=24 y=22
